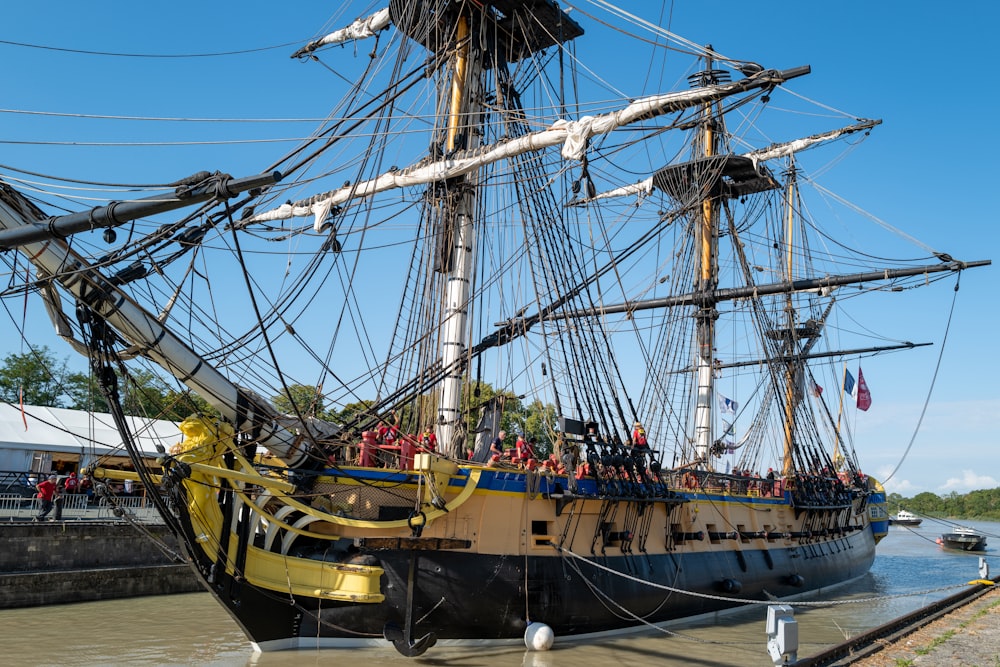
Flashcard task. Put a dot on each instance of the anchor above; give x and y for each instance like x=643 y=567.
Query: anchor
x=402 y=638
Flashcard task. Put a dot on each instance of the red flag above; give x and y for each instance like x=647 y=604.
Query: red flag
x=864 y=396
x=20 y=400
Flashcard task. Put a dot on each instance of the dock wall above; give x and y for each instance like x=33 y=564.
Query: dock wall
x=77 y=561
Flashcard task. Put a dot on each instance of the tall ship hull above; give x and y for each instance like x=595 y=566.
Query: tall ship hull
x=586 y=563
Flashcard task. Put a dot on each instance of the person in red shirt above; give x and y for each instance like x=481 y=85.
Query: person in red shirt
x=428 y=440
x=523 y=449
x=639 y=436
x=72 y=483
x=47 y=493
x=86 y=486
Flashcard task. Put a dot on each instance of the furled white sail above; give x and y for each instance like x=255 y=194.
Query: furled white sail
x=360 y=29
x=798 y=145
x=774 y=151
x=573 y=136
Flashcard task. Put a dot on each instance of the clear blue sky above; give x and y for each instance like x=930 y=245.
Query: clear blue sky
x=930 y=169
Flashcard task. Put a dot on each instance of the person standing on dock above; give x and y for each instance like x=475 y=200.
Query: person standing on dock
x=57 y=499
x=46 y=492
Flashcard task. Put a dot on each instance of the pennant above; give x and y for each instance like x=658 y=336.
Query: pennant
x=817 y=390
x=20 y=401
x=864 y=397
x=850 y=387
x=728 y=405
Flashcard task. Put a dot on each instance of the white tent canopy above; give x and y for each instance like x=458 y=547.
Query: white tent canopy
x=87 y=435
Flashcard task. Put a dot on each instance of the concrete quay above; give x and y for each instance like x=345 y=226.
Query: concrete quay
x=76 y=561
x=967 y=636
x=962 y=630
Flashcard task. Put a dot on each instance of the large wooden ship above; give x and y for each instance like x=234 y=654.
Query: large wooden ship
x=563 y=276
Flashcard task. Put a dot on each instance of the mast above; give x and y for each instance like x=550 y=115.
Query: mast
x=790 y=344
x=706 y=244
x=458 y=277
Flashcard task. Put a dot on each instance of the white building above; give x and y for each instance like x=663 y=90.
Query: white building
x=44 y=439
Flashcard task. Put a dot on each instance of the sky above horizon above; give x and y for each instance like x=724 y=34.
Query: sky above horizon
x=929 y=169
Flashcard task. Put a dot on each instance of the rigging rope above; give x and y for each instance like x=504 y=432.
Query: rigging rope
x=930 y=390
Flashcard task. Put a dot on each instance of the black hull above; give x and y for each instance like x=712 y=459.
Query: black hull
x=963 y=544
x=466 y=597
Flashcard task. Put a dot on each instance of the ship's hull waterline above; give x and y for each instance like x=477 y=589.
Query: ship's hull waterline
x=522 y=552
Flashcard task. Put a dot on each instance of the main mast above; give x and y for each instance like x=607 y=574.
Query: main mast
x=476 y=37
x=458 y=270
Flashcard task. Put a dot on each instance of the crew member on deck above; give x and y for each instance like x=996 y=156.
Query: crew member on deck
x=390 y=434
x=639 y=436
x=496 y=447
x=428 y=440
x=524 y=450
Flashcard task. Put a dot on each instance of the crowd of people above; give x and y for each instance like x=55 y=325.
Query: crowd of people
x=386 y=446
x=523 y=455
x=565 y=460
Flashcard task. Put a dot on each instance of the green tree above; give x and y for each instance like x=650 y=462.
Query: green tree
x=978 y=504
x=301 y=398
x=925 y=503
x=538 y=422
x=351 y=411
x=179 y=405
x=43 y=379
x=85 y=393
x=142 y=393
x=477 y=394
x=535 y=420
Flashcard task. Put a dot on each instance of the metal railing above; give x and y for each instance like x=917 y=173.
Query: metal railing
x=80 y=506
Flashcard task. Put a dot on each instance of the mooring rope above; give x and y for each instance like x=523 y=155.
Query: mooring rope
x=732 y=600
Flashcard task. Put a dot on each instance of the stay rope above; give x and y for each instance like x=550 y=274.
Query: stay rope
x=930 y=390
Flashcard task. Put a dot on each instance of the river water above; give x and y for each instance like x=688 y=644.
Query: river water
x=192 y=629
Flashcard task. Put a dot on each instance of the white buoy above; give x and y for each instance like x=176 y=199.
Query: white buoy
x=538 y=637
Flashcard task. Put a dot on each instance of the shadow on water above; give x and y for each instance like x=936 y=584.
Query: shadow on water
x=191 y=629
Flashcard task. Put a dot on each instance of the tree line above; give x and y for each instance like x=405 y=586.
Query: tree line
x=535 y=420
x=981 y=504
x=38 y=377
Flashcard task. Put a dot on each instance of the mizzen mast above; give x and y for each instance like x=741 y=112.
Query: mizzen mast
x=706 y=281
